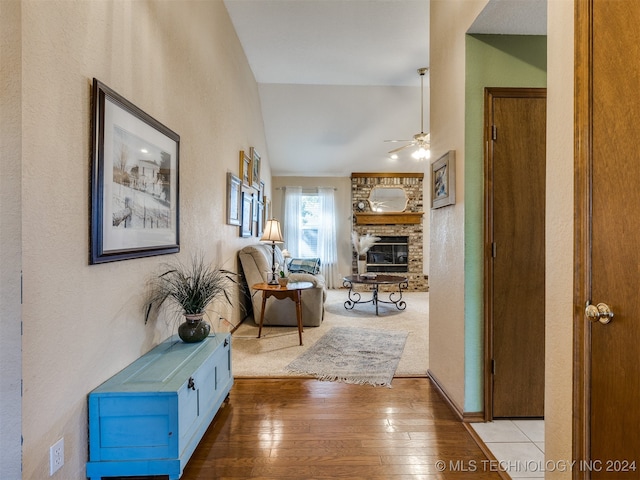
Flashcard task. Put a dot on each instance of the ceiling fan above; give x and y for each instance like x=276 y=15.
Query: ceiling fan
x=421 y=140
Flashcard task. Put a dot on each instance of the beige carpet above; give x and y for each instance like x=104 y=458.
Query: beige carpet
x=268 y=356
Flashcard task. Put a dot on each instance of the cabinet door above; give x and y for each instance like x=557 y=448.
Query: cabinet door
x=132 y=427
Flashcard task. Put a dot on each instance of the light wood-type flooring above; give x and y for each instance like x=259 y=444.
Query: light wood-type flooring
x=300 y=428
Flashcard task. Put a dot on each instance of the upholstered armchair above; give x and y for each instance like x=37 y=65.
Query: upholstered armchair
x=255 y=261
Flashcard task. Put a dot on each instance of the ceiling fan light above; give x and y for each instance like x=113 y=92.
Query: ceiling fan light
x=421 y=154
x=393 y=156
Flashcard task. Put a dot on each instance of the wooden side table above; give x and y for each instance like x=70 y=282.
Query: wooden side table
x=292 y=290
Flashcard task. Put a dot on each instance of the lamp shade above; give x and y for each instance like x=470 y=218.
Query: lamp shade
x=272 y=232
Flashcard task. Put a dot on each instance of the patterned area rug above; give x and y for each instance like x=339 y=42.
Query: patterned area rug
x=353 y=355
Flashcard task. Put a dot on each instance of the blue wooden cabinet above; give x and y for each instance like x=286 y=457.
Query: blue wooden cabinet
x=149 y=418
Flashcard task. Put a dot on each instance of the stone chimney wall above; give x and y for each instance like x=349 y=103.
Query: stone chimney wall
x=412 y=183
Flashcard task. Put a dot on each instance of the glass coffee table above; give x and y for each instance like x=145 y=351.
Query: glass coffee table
x=374 y=281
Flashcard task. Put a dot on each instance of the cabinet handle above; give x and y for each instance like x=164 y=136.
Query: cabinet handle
x=226 y=342
x=191 y=384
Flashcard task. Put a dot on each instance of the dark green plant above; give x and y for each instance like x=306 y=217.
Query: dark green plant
x=190 y=288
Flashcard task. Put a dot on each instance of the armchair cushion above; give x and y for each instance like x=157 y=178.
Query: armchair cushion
x=255 y=261
x=304 y=265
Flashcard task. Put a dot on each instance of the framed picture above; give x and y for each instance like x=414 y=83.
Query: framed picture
x=443 y=180
x=261 y=222
x=134 y=181
x=234 y=199
x=255 y=168
x=261 y=191
x=254 y=197
x=245 y=168
x=247 y=214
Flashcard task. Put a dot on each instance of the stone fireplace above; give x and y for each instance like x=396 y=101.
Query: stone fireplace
x=395 y=226
x=389 y=255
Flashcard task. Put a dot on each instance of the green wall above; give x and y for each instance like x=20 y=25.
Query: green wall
x=491 y=61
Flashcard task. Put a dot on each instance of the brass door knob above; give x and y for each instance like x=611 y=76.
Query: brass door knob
x=600 y=312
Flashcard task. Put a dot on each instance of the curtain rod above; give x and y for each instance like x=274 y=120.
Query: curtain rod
x=304 y=188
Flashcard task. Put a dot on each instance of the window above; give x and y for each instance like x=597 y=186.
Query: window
x=310 y=210
x=309 y=228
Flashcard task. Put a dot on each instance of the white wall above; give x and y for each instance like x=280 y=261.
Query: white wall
x=559 y=235
x=182 y=63
x=10 y=235
x=450 y=19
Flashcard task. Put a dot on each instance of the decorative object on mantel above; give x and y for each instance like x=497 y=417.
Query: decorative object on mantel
x=272 y=234
x=387 y=199
x=443 y=180
x=190 y=289
x=361 y=245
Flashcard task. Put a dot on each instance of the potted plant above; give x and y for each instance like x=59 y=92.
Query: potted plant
x=283 y=278
x=189 y=289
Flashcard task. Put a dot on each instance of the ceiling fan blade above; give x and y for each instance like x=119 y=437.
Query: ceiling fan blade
x=403 y=147
x=421 y=139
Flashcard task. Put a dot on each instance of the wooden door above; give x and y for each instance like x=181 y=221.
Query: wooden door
x=515 y=122
x=607 y=371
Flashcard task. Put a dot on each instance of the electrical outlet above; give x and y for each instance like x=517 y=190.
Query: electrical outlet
x=56 y=456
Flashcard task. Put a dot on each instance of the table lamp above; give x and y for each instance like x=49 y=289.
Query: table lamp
x=272 y=234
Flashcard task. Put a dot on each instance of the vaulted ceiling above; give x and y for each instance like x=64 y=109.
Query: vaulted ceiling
x=339 y=77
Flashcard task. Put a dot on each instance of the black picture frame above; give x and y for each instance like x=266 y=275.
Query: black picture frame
x=135 y=194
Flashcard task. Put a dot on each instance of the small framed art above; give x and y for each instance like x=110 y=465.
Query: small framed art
x=443 y=180
x=245 y=168
x=255 y=168
x=247 y=214
x=234 y=199
x=260 y=228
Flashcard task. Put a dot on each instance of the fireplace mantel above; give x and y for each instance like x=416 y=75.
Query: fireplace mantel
x=395 y=218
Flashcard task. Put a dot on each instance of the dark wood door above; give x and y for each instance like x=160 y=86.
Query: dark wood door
x=515 y=171
x=608 y=255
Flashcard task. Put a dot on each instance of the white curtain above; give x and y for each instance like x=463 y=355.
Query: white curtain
x=292 y=218
x=327 y=248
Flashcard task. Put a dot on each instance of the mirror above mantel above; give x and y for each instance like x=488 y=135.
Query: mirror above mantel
x=388 y=199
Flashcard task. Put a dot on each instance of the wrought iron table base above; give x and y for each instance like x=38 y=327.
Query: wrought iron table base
x=356 y=298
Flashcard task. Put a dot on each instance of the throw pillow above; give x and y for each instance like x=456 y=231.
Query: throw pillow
x=304 y=265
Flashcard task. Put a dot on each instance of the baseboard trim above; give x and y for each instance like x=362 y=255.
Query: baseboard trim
x=465 y=417
x=473 y=417
x=458 y=412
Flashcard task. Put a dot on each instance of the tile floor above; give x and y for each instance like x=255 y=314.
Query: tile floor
x=517 y=445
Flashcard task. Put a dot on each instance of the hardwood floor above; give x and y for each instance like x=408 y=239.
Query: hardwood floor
x=301 y=428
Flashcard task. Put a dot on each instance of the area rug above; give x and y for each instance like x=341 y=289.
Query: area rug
x=268 y=356
x=353 y=355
